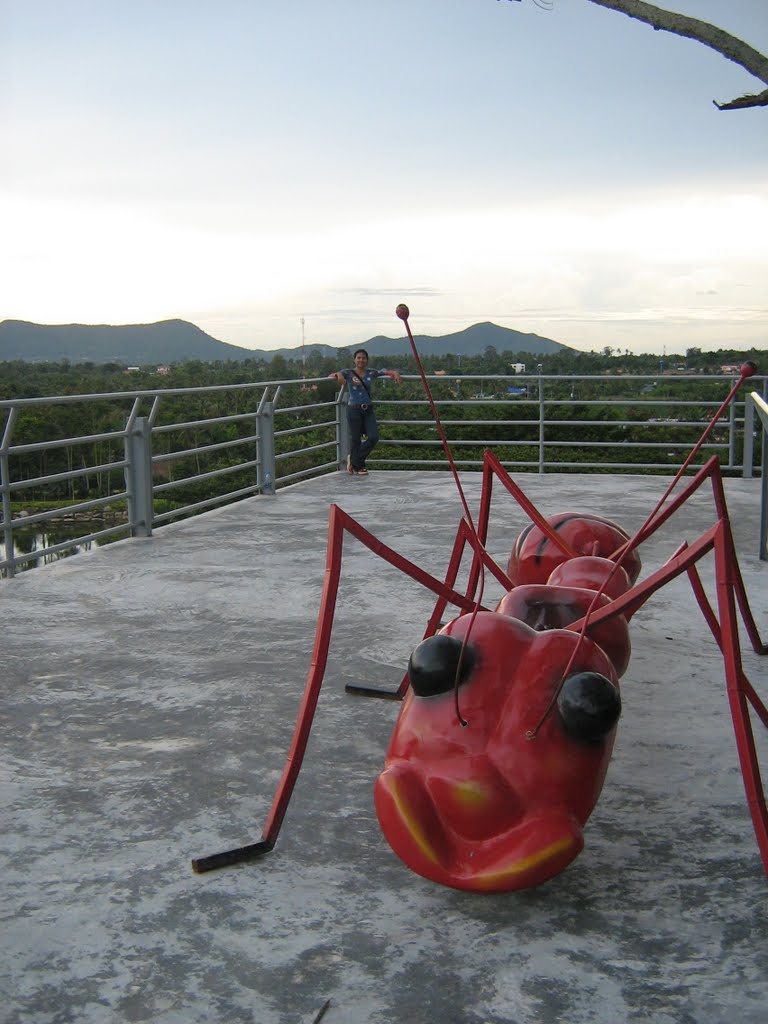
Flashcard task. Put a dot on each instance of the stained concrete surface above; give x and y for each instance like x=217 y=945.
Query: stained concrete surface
x=150 y=690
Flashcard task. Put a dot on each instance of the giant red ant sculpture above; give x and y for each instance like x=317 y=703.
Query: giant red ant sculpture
x=501 y=747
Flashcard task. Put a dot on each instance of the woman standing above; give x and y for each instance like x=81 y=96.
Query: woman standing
x=360 y=415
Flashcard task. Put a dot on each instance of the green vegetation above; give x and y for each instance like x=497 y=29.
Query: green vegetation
x=590 y=433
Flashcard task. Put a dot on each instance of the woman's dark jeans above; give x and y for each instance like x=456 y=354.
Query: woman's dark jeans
x=361 y=421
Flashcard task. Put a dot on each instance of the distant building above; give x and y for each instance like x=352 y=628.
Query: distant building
x=517 y=367
x=729 y=368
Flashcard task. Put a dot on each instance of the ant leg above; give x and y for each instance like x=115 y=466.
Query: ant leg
x=740 y=693
x=339 y=522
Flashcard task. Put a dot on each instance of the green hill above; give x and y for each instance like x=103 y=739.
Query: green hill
x=174 y=341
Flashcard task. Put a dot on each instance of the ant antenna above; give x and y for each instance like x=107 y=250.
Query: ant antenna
x=403 y=313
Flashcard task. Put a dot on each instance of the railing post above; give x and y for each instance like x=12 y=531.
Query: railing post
x=342 y=431
x=749 y=440
x=732 y=435
x=5 y=488
x=265 y=470
x=7 y=520
x=138 y=477
x=541 y=422
x=755 y=400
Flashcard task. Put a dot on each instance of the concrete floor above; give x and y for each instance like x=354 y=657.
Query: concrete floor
x=150 y=690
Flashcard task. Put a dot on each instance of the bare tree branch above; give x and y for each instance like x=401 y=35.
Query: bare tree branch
x=717 y=39
x=760 y=100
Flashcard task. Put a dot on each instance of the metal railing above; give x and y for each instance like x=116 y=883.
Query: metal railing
x=124 y=463
x=757 y=403
x=136 y=479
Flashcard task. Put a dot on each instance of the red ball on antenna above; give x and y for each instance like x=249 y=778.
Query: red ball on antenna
x=402 y=311
x=748 y=369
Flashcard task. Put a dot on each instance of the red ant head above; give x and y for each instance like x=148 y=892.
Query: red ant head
x=484 y=806
x=535 y=555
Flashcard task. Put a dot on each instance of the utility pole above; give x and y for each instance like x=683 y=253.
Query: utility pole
x=303 y=355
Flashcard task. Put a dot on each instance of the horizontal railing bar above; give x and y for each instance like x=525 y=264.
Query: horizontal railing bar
x=66 y=545
x=405 y=442
x=223 y=471
x=302 y=408
x=671 y=467
x=635 y=400
x=303 y=451
x=631 y=444
x=38 y=481
x=20 y=449
x=443 y=462
x=534 y=403
x=387 y=421
x=182 y=452
x=677 y=424
x=511 y=442
x=206 y=503
x=169 y=428
x=547 y=378
x=307 y=472
x=534 y=424
x=305 y=429
x=66 y=510
x=112 y=395
x=554 y=422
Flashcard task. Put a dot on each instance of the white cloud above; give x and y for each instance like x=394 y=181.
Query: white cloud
x=687 y=260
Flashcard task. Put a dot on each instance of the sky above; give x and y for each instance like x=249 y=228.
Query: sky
x=288 y=171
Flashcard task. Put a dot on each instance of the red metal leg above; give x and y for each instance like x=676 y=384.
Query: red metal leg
x=738 y=694
x=525 y=503
x=709 y=471
x=340 y=522
x=741 y=693
x=493 y=467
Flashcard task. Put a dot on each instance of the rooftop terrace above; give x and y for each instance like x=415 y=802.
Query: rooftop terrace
x=150 y=692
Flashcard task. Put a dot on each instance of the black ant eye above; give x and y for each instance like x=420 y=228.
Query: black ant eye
x=589 y=705
x=433 y=665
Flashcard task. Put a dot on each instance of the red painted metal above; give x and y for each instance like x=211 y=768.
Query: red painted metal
x=340 y=521
x=489 y=779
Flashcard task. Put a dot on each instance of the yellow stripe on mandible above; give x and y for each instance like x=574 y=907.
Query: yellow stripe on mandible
x=492 y=878
x=470 y=794
x=412 y=824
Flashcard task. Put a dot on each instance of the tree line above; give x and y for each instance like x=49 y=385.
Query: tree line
x=22 y=379
x=512 y=426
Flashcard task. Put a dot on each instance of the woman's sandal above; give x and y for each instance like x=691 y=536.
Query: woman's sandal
x=362 y=472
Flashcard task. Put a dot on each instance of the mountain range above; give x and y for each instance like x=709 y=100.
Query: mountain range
x=173 y=341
